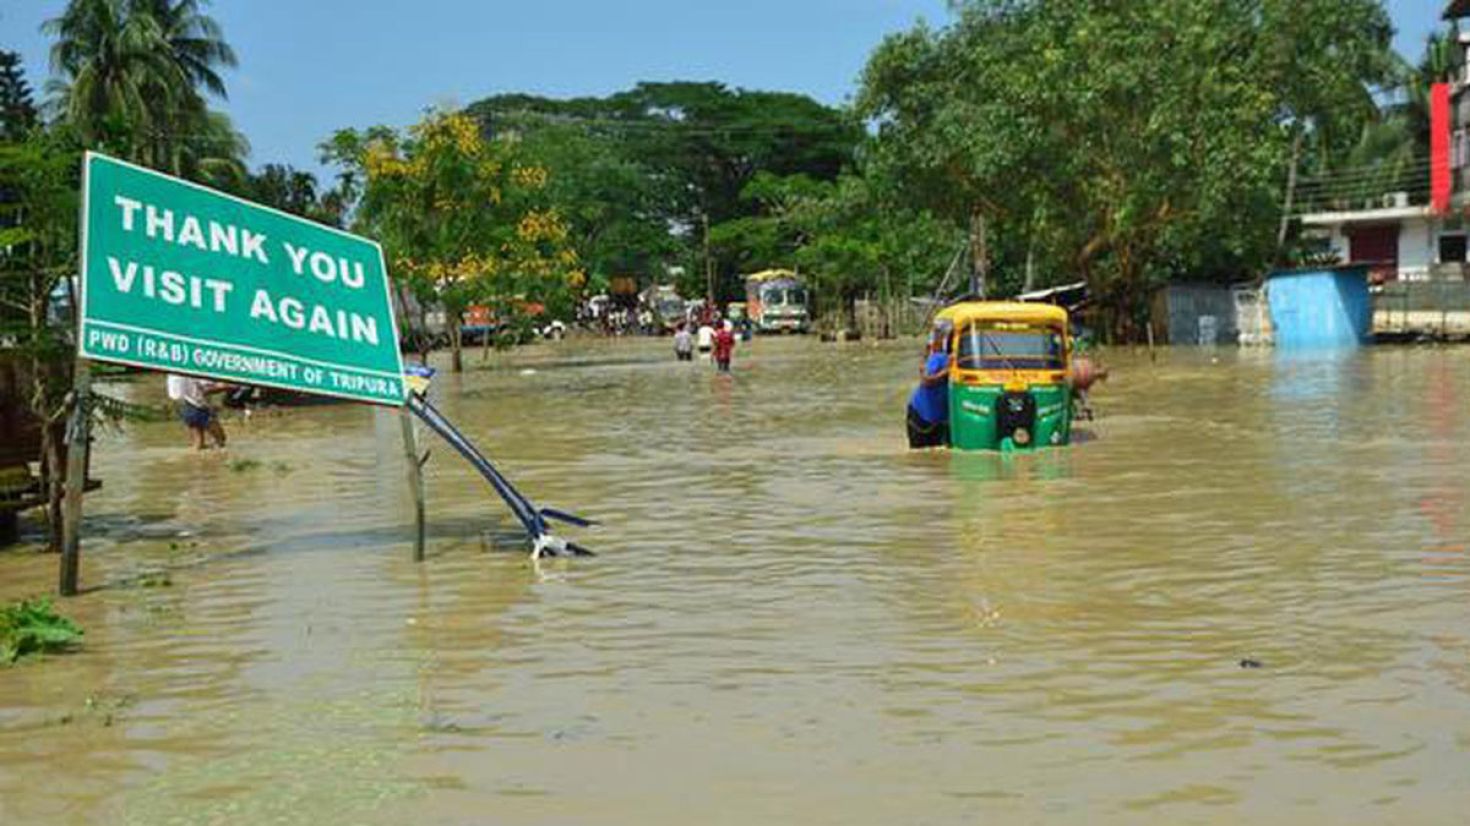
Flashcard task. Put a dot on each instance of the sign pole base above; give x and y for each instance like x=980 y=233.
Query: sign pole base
x=415 y=482
x=78 y=445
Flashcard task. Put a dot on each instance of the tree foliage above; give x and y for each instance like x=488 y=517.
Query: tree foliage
x=1125 y=143
x=295 y=191
x=39 y=182
x=687 y=151
x=132 y=78
x=463 y=219
x=18 y=115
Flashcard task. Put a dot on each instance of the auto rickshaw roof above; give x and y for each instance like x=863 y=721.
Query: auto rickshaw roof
x=1013 y=311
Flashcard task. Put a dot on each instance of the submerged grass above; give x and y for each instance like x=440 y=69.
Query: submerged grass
x=33 y=627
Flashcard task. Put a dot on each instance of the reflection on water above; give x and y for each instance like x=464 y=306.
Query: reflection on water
x=793 y=618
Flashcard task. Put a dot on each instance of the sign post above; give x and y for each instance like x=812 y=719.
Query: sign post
x=78 y=446
x=182 y=278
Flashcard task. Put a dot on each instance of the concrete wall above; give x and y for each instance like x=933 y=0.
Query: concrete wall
x=1423 y=308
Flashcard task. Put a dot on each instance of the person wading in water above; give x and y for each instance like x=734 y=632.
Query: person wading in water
x=724 y=346
x=191 y=394
x=928 y=413
x=683 y=343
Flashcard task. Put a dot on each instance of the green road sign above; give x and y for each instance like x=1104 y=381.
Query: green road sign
x=179 y=277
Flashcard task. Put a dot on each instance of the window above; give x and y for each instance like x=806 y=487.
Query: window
x=1451 y=249
x=992 y=349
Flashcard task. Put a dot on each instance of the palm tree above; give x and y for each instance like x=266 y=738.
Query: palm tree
x=113 y=79
x=194 y=39
x=133 y=76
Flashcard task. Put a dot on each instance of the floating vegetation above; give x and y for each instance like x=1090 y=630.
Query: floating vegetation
x=154 y=579
x=243 y=465
x=33 y=627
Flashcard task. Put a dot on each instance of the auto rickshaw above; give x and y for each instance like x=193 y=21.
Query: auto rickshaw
x=1009 y=368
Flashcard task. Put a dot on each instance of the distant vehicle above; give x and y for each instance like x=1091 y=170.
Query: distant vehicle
x=669 y=309
x=476 y=323
x=735 y=311
x=776 y=301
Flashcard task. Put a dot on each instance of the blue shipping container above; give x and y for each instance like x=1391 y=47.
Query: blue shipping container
x=1324 y=308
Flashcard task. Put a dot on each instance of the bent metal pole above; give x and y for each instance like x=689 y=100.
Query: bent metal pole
x=533 y=519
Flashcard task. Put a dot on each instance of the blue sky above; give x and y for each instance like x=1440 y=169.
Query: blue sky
x=308 y=67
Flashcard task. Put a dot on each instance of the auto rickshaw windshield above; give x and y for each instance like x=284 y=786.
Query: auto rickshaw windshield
x=985 y=347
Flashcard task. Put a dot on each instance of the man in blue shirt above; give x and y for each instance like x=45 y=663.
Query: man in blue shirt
x=928 y=415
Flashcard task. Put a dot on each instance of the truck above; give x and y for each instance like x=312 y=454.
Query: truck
x=776 y=301
x=667 y=306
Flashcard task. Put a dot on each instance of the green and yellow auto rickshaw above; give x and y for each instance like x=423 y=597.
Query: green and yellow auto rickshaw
x=1009 y=367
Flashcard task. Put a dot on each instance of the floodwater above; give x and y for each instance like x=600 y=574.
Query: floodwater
x=792 y=618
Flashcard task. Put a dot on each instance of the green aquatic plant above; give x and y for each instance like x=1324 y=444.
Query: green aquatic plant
x=243 y=465
x=154 y=579
x=33 y=627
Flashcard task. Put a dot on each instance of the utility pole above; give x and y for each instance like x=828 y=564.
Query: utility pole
x=1291 y=173
x=709 y=268
x=979 y=254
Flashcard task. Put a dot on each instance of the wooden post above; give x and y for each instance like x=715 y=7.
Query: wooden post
x=78 y=444
x=415 y=481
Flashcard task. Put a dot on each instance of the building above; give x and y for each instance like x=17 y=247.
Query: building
x=1400 y=241
x=1407 y=224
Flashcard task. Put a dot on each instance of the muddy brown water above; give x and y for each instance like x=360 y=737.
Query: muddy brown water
x=792 y=620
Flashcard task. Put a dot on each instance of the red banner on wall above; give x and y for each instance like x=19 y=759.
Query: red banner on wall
x=1439 y=148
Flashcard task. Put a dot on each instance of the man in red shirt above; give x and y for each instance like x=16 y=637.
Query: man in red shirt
x=724 y=346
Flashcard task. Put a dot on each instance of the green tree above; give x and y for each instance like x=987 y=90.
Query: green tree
x=17 y=108
x=39 y=182
x=848 y=237
x=131 y=78
x=1124 y=143
x=699 y=145
x=613 y=205
x=464 y=220
x=295 y=191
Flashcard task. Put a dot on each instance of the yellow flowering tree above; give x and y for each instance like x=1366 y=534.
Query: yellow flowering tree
x=463 y=220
